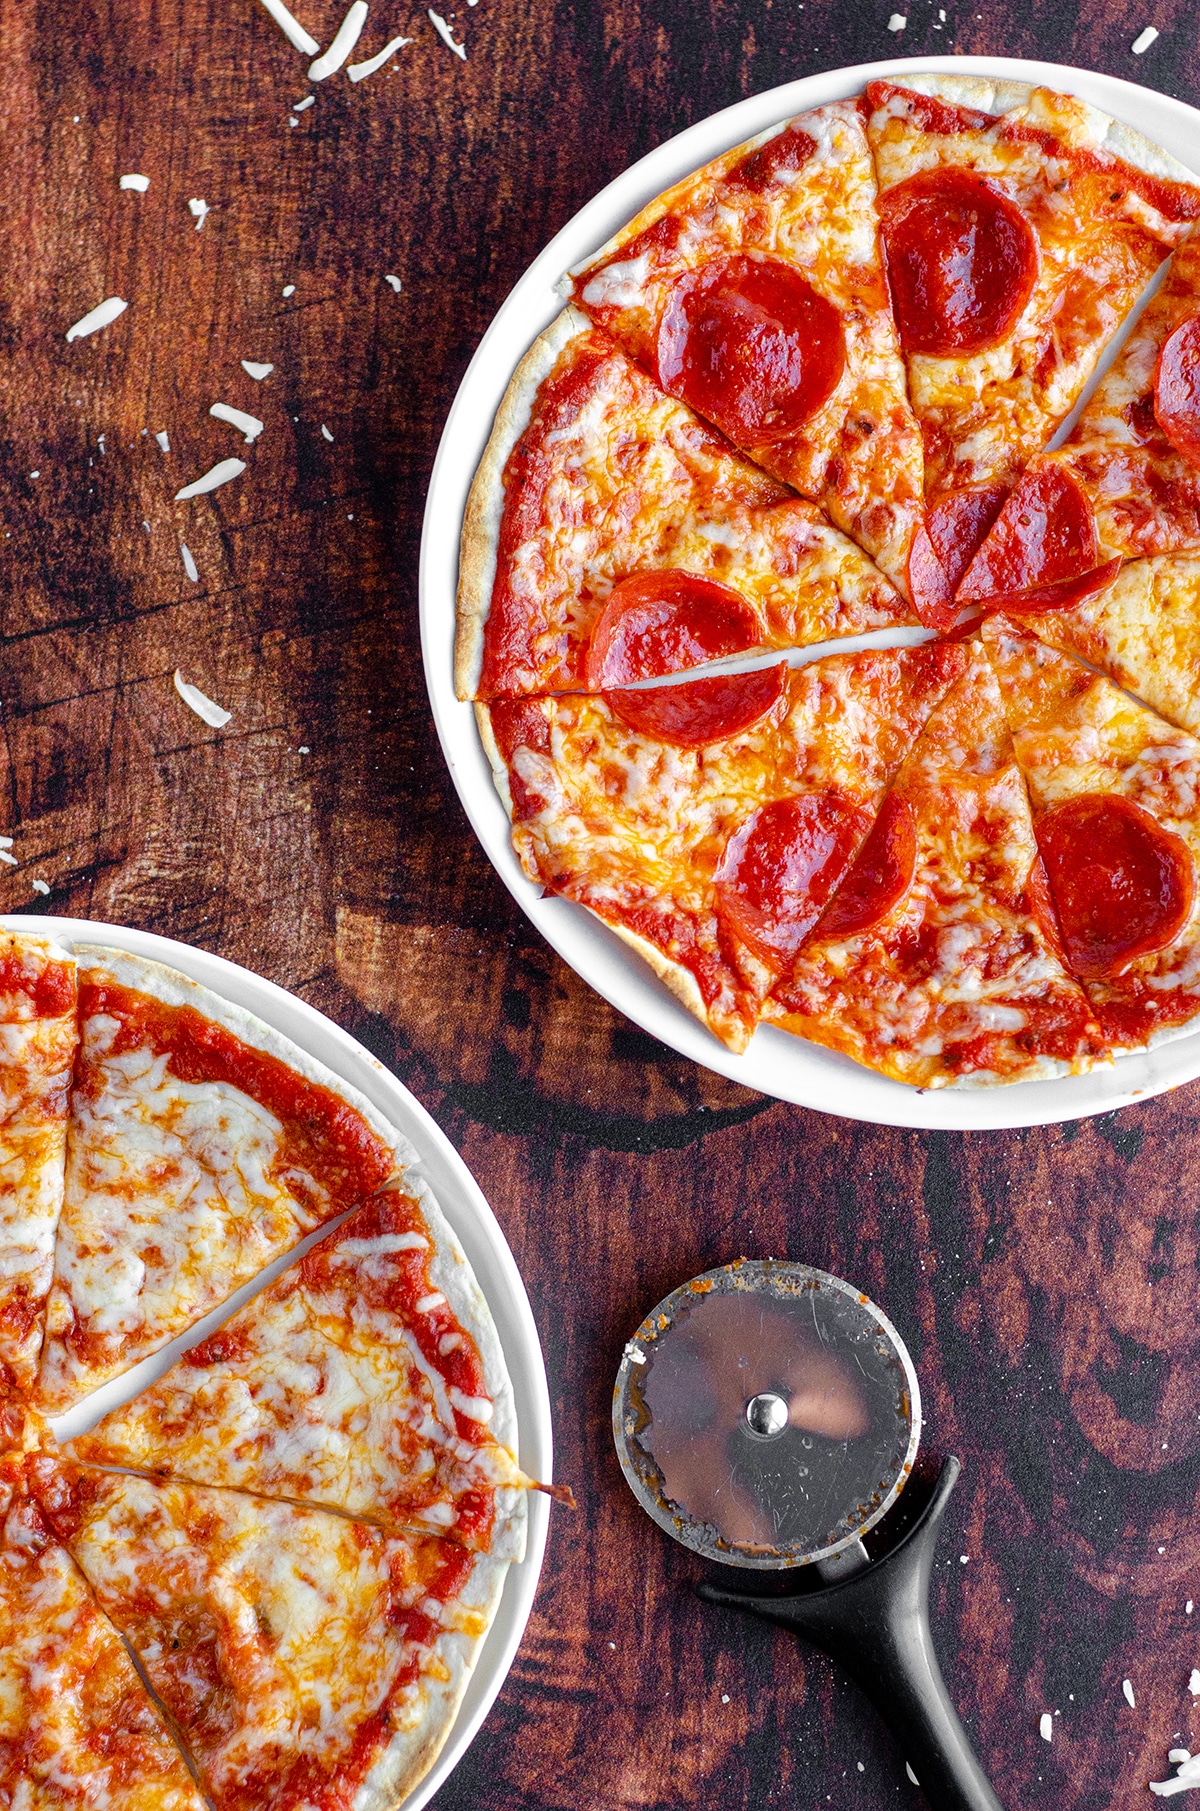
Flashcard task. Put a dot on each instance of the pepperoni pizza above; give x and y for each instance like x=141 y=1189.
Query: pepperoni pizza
x=833 y=358
x=308 y=1607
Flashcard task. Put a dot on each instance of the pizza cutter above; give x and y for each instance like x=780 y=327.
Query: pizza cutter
x=767 y=1415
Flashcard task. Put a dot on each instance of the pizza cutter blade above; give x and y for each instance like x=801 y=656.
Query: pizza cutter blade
x=767 y=1415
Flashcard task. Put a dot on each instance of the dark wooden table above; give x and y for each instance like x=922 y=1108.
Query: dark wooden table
x=1046 y=1280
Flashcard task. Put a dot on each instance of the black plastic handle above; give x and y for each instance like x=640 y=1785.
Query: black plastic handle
x=876 y=1624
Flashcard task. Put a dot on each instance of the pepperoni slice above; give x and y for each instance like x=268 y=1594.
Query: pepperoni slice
x=1045 y=532
x=780 y=867
x=943 y=547
x=664 y=622
x=750 y=344
x=961 y=260
x=1122 y=884
x=701 y=710
x=1177 y=390
x=1064 y=594
x=881 y=875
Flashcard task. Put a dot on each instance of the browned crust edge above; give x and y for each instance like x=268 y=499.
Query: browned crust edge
x=485 y=505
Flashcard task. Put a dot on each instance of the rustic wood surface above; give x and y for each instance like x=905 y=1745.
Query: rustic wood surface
x=1046 y=1280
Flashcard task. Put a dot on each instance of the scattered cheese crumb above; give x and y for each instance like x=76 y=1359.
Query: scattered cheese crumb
x=308 y=101
x=204 y=707
x=345 y=38
x=163 y=441
x=198 y=209
x=1188 y=1607
x=213 y=479
x=1127 y=1688
x=1143 y=41
x=304 y=749
x=897 y=22
x=394 y=281
x=1046 y=1726
x=249 y=425
x=6 y=857
x=253 y=369
x=40 y=886
x=427 y=1303
x=445 y=34
x=964 y=1559
x=292 y=29
x=860 y=1766
x=189 y=564
x=724 y=1697
x=613 y=1646
x=292 y=120
x=1187 y=1777
x=358 y=72
x=140 y=183
x=100 y=316
x=326 y=432
x=36 y=474
x=1194 y=1683
x=912 y=1776
x=289 y=289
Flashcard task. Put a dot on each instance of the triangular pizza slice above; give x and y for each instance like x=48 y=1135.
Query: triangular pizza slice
x=305 y=1659
x=1019 y=227
x=202 y=1145
x=754 y=291
x=366 y=1378
x=602 y=505
x=708 y=822
x=1116 y=802
x=1126 y=483
x=37 y=1048
x=937 y=961
x=78 y=1729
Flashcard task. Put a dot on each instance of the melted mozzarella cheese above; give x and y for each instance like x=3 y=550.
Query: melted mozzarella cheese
x=276 y=1634
x=36 y=1053
x=326 y=1396
x=76 y=1726
x=177 y=1193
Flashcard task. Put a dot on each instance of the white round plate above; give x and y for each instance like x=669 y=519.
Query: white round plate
x=466 y=1209
x=776 y=1063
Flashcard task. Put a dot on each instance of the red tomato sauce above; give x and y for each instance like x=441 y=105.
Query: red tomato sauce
x=49 y=986
x=322 y=1134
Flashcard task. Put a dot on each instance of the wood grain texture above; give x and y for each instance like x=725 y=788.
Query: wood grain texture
x=1046 y=1280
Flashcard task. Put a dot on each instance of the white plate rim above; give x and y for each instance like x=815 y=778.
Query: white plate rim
x=468 y=1212
x=776 y=1064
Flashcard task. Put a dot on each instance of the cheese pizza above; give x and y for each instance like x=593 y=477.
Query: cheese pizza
x=707 y=823
x=78 y=1731
x=1019 y=227
x=1116 y=800
x=597 y=491
x=754 y=291
x=303 y=1658
x=201 y=1147
x=366 y=1378
x=37 y=1048
x=308 y=1610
